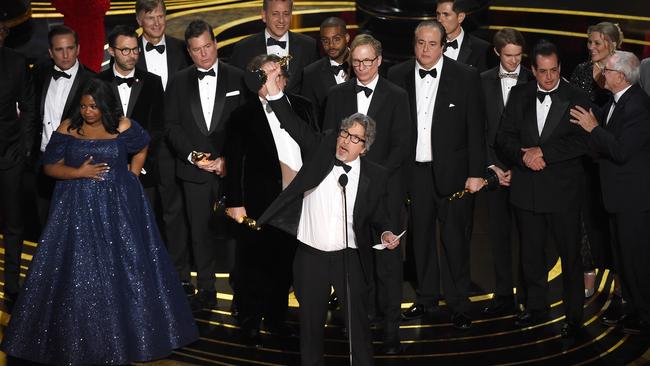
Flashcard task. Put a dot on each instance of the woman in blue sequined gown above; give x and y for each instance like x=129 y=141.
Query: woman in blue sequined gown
x=101 y=288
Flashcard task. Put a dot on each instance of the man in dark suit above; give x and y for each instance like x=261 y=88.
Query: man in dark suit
x=509 y=46
x=198 y=104
x=141 y=96
x=544 y=150
x=277 y=39
x=622 y=142
x=374 y=96
x=333 y=69
x=462 y=47
x=164 y=56
x=15 y=139
x=311 y=208
x=262 y=160
x=57 y=82
x=446 y=154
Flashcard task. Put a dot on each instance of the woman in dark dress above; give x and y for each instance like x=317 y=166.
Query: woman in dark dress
x=603 y=39
x=100 y=289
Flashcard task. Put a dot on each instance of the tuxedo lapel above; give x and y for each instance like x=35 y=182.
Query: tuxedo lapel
x=326 y=74
x=76 y=84
x=362 y=192
x=379 y=96
x=409 y=82
x=219 y=97
x=195 y=102
x=142 y=61
x=530 y=113
x=136 y=88
x=444 y=88
x=498 y=92
x=46 y=85
x=262 y=129
x=558 y=109
x=465 y=50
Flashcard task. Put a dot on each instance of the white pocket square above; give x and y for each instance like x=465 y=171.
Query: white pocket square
x=230 y=94
x=452 y=105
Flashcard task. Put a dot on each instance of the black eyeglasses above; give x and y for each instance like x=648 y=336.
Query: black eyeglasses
x=353 y=138
x=366 y=62
x=127 y=51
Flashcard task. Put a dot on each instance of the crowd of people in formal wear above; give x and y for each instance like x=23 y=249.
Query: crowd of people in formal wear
x=336 y=162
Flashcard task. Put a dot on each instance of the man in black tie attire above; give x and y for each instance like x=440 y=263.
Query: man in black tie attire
x=164 y=56
x=509 y=45
x=374 y=96
x=15 y=141
x=544 y=152
x=332 y=69
x=622 y=142
x=198 y=104
x=446 y=154
x=462 y=47
x=262 y=160
x=277 y=39
x=332 y=251
x=57 y=82
x=141 y=96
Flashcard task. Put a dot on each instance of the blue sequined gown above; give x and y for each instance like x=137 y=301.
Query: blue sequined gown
x=101 y=288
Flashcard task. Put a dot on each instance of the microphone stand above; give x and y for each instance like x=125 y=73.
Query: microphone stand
x=343 y=181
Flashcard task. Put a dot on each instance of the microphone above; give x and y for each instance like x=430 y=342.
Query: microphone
x=343 y=180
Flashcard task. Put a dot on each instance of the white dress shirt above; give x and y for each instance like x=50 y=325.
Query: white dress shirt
x=124 y=89
x=340 y=77
x=507 y=83
x=321 y=219
x=277 y=50
x=57 y=95
x=617 y=96
x=363 y=102
x=287 y=148
x=426 y=90
x=207 y=92
x=156 y=62
x=452 y=53
x=543 y=107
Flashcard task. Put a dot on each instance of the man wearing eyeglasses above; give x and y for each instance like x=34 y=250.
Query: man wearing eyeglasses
x=278 y=40
x=372 y=95
x=140 y=93
x=57 y=84
x=446 y=155
x=620 y=134
x=544 y=150
x=332 y=69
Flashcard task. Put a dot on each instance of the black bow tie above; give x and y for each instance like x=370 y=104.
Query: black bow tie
x=56 y=74
x=541 y=95
x=203 y=74
x=274 y=42
x=364 y=89
x=505 y=75
x=343 y=165
x=432 y=72
x=127 y=81
x=160 y=48
x=453 y=44
x=338 y=68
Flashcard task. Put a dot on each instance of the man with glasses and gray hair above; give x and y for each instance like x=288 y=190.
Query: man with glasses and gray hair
x=620 y=134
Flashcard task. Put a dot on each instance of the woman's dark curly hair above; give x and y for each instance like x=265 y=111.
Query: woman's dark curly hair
x=106 y=103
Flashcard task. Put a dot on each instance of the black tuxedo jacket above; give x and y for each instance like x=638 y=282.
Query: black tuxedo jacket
x=369 y=214
x=302 y=48
x=317 y=80
x=42 y=79
x=185 y=125
x=458 y=127
x=474 y=52
x=16 y=132
x=389 y=108
x=557 y=187
x=146 y=105
x=494 y=106
x=177 y=57
x=624 y=146
x=254 y=179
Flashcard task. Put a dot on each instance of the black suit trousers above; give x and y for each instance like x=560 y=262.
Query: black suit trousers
x=564 y=228
x=200 y=200
x=631 y=252
x=499 y=230
x=314 y=272
x=11 y=202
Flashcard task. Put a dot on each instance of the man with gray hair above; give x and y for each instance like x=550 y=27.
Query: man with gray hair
x=620 y=134
x=331 y=206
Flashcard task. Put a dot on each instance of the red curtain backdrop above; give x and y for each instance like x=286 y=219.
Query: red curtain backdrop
x=86 y=17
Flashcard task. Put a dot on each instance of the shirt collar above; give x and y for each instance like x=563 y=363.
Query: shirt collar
x=548 y=91
x=129 y=75
x=371 y=84
x=267 y=35
x=72 y=71
x=618 y=95
x=437 y=66
x=145 y=42
x=355 y=164
x=460 y=37
x=504 y=71
x=213 y=67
